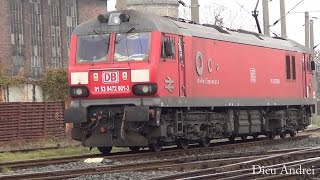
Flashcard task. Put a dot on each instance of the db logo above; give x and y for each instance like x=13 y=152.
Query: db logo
x=110 y=77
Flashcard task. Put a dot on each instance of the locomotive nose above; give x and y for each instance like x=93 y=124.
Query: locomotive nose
x=121 y=82
x=109 y=83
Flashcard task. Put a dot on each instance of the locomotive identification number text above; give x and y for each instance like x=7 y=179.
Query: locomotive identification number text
x=275 y=81
x=111 y=88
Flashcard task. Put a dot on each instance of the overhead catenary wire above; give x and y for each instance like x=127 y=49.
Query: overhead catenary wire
x=287 y=13
x=242 y=7
x=182 y=3
x=275 y=33
x=316 y=11
x=253 y=13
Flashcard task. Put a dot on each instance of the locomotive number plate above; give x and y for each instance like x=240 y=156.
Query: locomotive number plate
x=111 y=89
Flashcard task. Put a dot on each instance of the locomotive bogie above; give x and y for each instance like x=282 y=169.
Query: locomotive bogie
x=108 y=126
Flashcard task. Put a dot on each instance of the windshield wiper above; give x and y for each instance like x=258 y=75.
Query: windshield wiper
x=99 y=34
x=124 y=35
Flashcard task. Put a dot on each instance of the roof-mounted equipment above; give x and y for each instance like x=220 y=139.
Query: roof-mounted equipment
x=103 y=18
x=118 y=18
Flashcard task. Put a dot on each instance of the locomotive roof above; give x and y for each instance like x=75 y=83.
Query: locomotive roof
x=149 y=22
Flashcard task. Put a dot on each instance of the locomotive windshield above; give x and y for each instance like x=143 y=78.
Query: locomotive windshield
x=93 y=48
x=132 y=47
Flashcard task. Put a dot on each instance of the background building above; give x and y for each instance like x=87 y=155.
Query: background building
x=159 y=7
x=35 y=33
x=35 y=36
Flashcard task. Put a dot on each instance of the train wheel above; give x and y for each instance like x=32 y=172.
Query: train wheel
x=243 y=138
x=272 y=135
x=105 y=150
x=156 y=147
x=205 y=142
x=134 y=148
x=232 y=138
x=283 y=135
x=293 y=134
x=183 y=143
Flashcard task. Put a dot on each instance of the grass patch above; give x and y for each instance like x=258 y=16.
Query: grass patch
x=315 y=122
x=5 y=169
x=52 y=153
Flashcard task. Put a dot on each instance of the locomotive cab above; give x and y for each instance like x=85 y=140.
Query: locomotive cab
x=112 y=77
x=116 y=64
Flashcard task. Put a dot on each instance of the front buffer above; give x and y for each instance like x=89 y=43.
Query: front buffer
x=100 y=126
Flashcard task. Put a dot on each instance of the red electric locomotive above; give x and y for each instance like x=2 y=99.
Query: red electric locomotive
x=140 y=80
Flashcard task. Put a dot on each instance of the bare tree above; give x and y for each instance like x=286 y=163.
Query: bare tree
x=214 y=14
x=184 y=12
x=217 y=13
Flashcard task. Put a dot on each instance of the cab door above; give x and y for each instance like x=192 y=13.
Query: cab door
x=182 y=70
x=168 y=66
x=306 y=76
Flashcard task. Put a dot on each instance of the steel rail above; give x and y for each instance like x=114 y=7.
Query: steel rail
x=169 y=164
x=144 y=154
x=284 y=157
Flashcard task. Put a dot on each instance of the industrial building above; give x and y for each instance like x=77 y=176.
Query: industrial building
x=35 y=36
x=35 y=33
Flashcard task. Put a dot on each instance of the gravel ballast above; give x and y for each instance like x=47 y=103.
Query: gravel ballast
x=308 y=142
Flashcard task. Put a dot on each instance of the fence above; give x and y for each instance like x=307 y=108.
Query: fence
x=30 y=121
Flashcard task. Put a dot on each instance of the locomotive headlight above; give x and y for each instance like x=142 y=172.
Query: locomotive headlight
x=78 y=91
x=144 y=89
x=116 y=20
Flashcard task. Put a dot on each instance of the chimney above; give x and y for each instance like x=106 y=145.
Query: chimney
x=158 y=7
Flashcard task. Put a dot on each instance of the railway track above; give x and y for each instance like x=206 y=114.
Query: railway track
x=145 y=154
x=178 y=162
x=308 y=158
x=248 y=173
x=175 y=164
x=142 y=166
x=62 y=147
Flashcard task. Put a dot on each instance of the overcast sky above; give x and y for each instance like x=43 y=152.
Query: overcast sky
x=237 y=15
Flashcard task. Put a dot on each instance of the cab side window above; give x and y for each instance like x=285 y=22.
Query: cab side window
x=309 y=64
x=168 y=50
x=288 y=68
x=291 y=67
x=293 y=63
